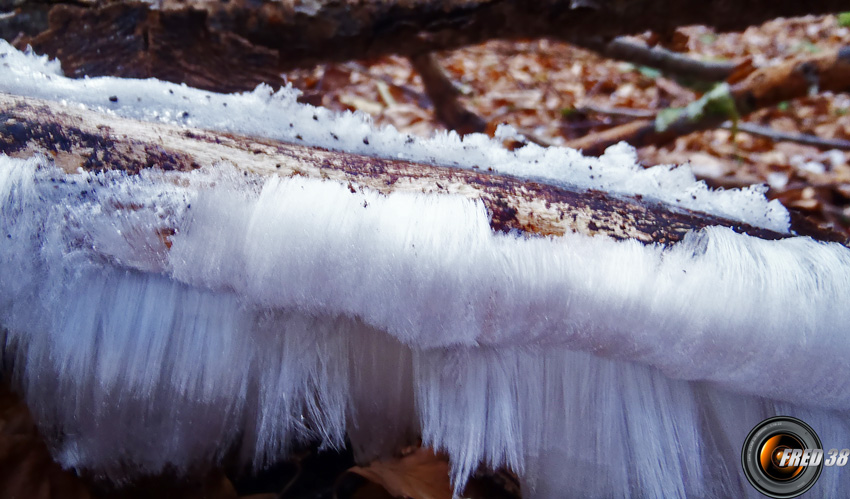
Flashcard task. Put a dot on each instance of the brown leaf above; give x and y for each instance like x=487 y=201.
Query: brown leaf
x=418 y=475
x=26 y=468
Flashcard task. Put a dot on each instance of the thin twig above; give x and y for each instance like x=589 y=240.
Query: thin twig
x=534 y=138
x=624 y=112
x=751 y=128
x=669 y=62
x=800 y=138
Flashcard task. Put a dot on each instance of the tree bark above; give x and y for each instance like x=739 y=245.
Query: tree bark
x=85 y=139
x=134 y=41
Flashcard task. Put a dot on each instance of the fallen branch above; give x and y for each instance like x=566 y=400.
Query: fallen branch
x=624 y=112
x=638 y=133
x=800 y=138
x=368 y=29
x=751 y=128
x=297 y=36
x=444 y=96
x=670 y=63
x=763 y=88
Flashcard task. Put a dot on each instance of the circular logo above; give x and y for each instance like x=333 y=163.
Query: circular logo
x=782 y=457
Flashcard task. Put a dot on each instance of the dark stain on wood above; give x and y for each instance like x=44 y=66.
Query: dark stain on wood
x=96 y=151
x=513 y=204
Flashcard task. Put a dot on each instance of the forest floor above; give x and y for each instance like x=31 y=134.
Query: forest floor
x=556 y=92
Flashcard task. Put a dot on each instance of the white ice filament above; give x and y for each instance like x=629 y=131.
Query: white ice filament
x=293 y=309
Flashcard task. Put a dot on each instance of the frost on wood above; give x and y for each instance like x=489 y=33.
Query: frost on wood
x=162 y=318
x=93 y=141
x=265 y=114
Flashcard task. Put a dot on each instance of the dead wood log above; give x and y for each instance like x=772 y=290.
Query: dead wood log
x=333 y=30
x=134 y=41
x=93 y=141
x=110 y=38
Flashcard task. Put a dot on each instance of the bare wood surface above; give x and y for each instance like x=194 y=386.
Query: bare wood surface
x=86 y=139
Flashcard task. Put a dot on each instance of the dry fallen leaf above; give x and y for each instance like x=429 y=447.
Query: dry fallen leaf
x=26 y=469
x=420 y=474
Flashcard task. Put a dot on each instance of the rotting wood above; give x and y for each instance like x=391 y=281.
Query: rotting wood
x=94 y=141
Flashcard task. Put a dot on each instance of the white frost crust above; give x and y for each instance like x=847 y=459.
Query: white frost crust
x=292 y=309
x=430 y=271
x=278 y=116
